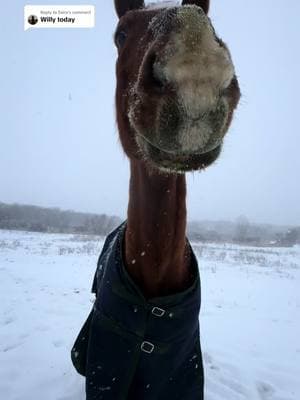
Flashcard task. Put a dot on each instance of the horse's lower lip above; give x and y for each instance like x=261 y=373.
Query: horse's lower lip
x=177 y=154
x=176 y=162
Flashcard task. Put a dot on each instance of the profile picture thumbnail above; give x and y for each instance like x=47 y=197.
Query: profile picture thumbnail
x=33 y=19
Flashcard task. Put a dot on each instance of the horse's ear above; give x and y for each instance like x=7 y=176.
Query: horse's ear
x=204 y=4
x=122 y=6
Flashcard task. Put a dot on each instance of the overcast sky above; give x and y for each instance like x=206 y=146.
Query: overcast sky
x=58 y=137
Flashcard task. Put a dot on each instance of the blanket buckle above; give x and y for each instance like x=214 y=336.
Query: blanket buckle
x=158 y=312
x=147 y=347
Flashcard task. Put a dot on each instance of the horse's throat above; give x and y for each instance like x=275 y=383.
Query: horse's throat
x=155 y=249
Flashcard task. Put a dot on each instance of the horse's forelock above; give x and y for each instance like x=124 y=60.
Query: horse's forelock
x=162 y=4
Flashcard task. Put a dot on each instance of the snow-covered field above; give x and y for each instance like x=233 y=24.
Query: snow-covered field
x=250 y=324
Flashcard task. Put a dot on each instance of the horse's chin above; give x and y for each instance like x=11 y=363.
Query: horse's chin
x=176 y=162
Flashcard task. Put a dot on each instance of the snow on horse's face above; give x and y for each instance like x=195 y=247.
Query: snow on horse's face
x=176 y=84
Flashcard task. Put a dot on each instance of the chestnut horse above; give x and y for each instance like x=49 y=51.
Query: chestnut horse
x=175 y=98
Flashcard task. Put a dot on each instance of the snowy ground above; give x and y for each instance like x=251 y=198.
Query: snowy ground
x=250 y=324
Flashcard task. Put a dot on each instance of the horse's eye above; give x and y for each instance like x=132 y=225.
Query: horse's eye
x=120 y=38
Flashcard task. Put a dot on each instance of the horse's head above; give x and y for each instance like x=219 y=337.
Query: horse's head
x=176 y=84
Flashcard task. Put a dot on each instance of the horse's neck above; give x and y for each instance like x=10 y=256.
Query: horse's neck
x=156 y=252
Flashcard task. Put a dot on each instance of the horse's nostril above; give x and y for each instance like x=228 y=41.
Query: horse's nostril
x=154 y=73
x=157 y=78
x=158 y=83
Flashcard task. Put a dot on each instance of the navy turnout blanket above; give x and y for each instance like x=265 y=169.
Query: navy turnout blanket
x=131 y=348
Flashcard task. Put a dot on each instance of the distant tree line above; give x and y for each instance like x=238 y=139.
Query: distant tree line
x=242 y=231
x=39 y=219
